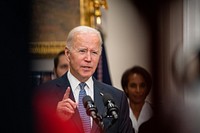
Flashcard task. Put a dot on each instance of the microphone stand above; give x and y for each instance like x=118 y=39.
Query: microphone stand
x=109 y=121
x=99 y=122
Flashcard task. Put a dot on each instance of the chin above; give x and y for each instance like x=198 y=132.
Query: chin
x=86 y=76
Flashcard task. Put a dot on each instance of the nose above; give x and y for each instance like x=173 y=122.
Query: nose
x=138 y=89
x=88 y=56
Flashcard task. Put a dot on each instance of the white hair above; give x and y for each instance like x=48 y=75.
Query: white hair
x=81 y=29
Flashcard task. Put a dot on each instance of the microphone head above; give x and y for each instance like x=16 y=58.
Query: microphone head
x=87 y=99
x=107 y=97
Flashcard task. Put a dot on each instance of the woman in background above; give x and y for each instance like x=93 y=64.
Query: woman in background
x=136 y=83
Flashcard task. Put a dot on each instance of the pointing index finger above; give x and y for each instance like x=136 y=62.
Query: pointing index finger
x=67 y=92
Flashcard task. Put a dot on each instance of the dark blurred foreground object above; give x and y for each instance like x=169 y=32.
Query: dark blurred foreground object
x=15 y=92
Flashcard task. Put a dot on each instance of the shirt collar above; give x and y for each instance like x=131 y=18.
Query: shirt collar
x=74 y=82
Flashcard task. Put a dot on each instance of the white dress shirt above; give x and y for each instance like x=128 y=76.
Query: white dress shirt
x=145 y=114
x=75 y=88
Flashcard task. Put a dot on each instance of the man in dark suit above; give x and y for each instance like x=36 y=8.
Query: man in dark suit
x=61 y=96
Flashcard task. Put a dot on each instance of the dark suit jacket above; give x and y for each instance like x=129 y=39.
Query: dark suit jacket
x=56 y=89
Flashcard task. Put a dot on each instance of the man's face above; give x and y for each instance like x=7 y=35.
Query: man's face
x=63 y=66
x=84 y=56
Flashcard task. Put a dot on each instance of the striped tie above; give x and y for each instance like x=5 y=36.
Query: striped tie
x=84 y=117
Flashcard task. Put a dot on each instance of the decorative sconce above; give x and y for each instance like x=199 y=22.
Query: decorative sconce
x=91 y=12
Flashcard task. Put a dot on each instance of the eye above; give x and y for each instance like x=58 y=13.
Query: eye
x=95 y=53
x=64 y=66
x=82 y=51
x=133 y=85
x=143 y=85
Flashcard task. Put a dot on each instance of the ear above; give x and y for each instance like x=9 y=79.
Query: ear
x=67 y=53
x=126 y=89
x=54 y=72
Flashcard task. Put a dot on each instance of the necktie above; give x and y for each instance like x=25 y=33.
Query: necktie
x=84 y=117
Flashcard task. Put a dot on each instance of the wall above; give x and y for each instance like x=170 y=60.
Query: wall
x=126 y=38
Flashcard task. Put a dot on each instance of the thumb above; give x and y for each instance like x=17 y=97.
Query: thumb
x=67 y=92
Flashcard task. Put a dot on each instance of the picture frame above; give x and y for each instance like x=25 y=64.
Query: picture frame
x=50 y=23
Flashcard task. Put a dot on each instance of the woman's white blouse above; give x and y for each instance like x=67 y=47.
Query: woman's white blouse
x=145 y=114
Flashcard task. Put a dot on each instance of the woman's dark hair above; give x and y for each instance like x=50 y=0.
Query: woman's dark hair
x=57 y=58
x=139 y=70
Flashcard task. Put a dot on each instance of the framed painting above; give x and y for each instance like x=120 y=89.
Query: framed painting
x=50 y=23
x=52 y=20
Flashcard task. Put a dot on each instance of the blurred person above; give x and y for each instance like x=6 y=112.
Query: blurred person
x=60 y=97
x=61 y=64
x=137 y=83
x=190 y=113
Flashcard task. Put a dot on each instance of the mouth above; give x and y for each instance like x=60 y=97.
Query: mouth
x=86 y=67
x=138 y=96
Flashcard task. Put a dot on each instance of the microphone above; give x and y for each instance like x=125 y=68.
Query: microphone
x=91 y=109
x=112 y=109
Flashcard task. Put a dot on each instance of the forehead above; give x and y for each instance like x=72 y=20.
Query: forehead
x=62 y=58
x=136 y=76
x=87 y=38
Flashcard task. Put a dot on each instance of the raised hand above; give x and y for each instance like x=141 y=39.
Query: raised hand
x=66 y=107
